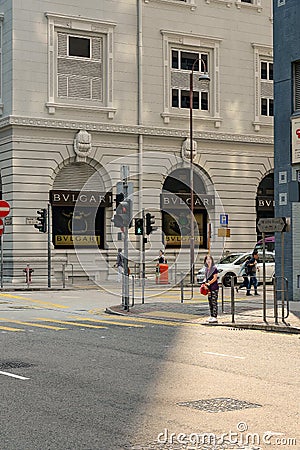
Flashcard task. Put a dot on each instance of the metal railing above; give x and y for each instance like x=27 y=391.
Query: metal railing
x=262 y=302
x=284 y=298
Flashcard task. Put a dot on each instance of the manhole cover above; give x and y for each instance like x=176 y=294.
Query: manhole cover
x=221 y=404
x=13 y=364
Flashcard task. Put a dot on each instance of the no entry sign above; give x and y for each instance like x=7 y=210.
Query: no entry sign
x=4 y=208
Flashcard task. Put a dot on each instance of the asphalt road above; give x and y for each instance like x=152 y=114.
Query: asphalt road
x=121 y=387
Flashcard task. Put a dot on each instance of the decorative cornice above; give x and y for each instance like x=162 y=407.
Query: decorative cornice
x=132 y=129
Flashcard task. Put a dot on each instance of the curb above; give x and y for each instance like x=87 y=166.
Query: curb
x=255 y=326
x=246 y=326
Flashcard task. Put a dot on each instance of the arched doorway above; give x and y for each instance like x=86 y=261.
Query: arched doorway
x=265 y=200
x=175 y=205
x=78 y=201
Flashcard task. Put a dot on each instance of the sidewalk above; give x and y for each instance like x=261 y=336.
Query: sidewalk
x=248 y=313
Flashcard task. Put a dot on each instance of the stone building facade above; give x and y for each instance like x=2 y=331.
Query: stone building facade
x=89 y=88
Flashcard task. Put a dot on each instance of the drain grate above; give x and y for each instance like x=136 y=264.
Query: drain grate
x=14 y=365
x=221 y=404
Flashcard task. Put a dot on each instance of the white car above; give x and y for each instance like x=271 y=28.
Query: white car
x=230 y=265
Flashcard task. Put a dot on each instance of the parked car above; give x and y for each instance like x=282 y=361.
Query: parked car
x=230 y=265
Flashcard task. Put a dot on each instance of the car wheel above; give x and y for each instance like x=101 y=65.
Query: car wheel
x=226 y=280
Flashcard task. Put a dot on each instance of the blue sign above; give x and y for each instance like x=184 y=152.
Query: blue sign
x=223 y=219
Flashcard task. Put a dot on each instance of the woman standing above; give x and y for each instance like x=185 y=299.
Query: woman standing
x=211 y=281
x=161 y=258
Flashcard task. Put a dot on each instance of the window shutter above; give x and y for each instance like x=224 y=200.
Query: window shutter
x=74 y=176
x=79 y=78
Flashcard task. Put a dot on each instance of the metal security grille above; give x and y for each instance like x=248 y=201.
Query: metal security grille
x=297 y=85
x=80 y=77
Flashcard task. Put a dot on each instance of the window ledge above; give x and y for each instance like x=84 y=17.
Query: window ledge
x=1 y=108
x=52 y=107
x=256 y=5
x=188 y=3
x=268 y=122
x=228 y=3
x=167 y=116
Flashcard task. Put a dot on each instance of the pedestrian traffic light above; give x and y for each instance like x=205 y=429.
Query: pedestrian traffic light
x=122 y=218
x=138 y=227
x=42 y=220
x=150 y=220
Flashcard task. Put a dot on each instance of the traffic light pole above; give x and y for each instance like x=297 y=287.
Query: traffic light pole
x=49 y=247
x=125 y=285
x=143 y=258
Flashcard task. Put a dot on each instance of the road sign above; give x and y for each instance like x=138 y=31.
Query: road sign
x=223 y=219
x=224 y=232
x=4 y=208
x=272 y=224
x=1 y=227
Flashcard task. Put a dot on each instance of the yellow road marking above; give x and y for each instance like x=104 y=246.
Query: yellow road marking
x=110 y=322
x=40 y=302
x=63 y=322
x=157 y=321
x=19 y=322
x=10 y=329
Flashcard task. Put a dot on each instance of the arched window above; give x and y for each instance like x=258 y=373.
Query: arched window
x=78 y=202
x=175 y=204
x=265 y=200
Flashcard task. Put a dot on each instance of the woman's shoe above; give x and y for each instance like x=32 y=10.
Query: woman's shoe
x=212 y=320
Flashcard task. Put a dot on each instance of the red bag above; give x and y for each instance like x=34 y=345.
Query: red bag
x=204 y=289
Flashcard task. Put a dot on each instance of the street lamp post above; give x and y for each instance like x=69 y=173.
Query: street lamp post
x=203 y=77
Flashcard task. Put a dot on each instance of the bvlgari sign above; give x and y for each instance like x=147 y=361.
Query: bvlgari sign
x=81 y=198
x=170 y=201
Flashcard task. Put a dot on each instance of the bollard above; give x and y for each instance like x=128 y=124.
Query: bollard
x=232 y=300
x=28 y=274
x=63 y=276
x=132 y=303
x=181 y=290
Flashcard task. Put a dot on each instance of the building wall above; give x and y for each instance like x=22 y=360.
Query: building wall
x=234 y=143
x=286 y=52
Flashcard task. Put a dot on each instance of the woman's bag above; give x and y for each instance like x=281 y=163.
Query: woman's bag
x=204 y=289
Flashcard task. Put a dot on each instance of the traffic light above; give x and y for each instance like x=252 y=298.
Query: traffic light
x=122 y=217
x=150 y=220
x=138 y=227
x=42 y=220
x=119 y=198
